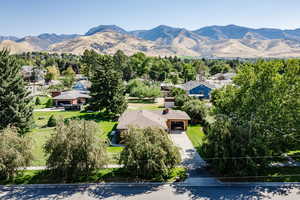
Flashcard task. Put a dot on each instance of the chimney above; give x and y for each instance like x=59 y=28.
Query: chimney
x=54 y=94
x=165 y=111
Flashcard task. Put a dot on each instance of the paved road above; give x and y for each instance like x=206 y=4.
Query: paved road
x=151 y=192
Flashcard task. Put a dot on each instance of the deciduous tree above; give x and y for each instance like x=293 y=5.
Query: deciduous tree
x=74 y=149
x=149 y=153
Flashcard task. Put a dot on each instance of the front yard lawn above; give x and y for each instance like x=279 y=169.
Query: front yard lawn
x=41 y=133
x=43 y=100
x=196 y=135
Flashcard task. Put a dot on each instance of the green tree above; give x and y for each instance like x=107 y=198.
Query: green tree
x=15 y=104
x=234 y=149
x=263 y=104
x=69 y=77
x=15 y=152
x=52 y=73
x=51 y=121
x=196 y=110
x=107 y=90
x=133 y=84
x=181 y=99
x=149 y=150
x=74 y=149
x=69 y=72
x=49 y=103
x=37 y=101
x=189 y=72
x=144 y=91
x=219 y=67
x=177 y=91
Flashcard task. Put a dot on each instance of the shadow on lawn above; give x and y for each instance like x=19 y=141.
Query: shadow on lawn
x=97 y=117
x=142 y=101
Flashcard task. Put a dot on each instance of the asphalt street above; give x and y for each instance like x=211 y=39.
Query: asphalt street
x=153 y=192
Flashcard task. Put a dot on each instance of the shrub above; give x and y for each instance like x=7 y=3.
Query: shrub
x=75 y=150
x=49 y=103
x=149 y=153
x=196 y=110
x=52 y=121
x=15 y=152
x=177 y=91
x=37 y=101
x=181 y=99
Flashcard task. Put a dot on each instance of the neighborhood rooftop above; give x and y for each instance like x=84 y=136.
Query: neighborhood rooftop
x=69 y=95
x=149 y=118
x=192 y=84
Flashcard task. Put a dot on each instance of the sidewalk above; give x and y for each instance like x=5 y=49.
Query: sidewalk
x=44 y=167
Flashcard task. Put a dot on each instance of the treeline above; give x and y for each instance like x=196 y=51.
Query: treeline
x=167 y=69
x=43 y=60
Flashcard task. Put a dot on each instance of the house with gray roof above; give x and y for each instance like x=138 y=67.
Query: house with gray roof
x=200 y=89
x=165 y=119
x=71 y=99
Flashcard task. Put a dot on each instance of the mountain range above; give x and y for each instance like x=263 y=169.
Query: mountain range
x=211 y=41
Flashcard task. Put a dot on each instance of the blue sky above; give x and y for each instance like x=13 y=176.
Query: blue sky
x=32 y=17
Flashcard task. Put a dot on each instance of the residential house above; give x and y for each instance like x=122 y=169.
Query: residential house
x=33 y=74
x=199 y=89
x=169 y=102
x=202 y=88
x=82 y=85
x=71 y=100
x=167 y=119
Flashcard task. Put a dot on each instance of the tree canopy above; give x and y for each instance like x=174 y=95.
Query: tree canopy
x=74 y=149
x=260 y=114
x=15 y=103
x=149 y=150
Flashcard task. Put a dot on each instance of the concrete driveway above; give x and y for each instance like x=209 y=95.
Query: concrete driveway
x=190 y=157
x=192 y=160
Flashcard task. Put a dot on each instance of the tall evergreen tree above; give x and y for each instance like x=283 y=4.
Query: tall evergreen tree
x=107 y=91
x=15 y=104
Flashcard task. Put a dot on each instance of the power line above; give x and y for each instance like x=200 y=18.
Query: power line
x=248 y=157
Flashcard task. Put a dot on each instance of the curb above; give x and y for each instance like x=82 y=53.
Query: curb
x=176 y=184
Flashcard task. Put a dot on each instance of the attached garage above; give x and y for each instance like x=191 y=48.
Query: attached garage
x=177 y=125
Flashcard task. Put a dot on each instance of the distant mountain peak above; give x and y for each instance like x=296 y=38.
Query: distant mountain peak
x=103 y=28
x=12 y=38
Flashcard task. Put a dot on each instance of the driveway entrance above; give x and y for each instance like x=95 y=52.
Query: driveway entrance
x=190 y=157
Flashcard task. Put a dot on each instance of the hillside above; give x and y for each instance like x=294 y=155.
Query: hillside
x=18 y=47
x=211 y=41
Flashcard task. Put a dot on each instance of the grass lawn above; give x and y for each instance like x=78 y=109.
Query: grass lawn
x=145 y=104
x=102 y=175
x=196 y=136
x=274 y=174
x=41 y=133
x=43 y=100
x=295 y=155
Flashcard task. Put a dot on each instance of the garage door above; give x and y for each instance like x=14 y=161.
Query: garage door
x=177 y=126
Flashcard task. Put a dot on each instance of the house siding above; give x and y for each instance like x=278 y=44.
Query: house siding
x=201 y=89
